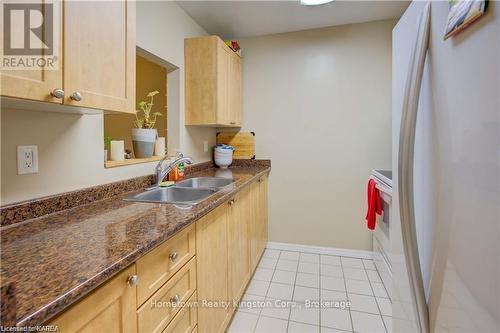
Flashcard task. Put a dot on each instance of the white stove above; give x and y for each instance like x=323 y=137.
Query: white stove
x=381 y=234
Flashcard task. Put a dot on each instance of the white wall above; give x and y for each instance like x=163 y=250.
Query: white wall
x=162 y=27
x=320 y=104
x=70 y=146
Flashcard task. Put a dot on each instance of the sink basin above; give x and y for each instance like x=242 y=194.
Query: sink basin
x=205 y=182
x=173 y=195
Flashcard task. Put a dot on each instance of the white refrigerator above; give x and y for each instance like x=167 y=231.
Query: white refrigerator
x=445 y=218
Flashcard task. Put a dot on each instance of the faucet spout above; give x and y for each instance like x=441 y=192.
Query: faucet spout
x=161 y=171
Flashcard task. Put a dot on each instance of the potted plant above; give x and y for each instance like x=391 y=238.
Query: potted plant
x=144 y=135
x=107 y=146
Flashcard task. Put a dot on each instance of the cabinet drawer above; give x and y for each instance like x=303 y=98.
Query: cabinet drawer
x=156 y=267
x=185 y=321
x=110 y=308
x=158 y=311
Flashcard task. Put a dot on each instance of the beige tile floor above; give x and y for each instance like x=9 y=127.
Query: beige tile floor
x=294 y=291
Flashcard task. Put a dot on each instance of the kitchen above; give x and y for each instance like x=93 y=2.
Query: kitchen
x=305 y=107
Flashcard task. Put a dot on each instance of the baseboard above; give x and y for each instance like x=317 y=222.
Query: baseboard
x=321 y=250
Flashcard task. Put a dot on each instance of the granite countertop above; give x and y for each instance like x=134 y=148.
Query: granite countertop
x=50 y=262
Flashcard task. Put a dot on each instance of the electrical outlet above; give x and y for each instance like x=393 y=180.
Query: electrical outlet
x=27 y=159
x=205 y=146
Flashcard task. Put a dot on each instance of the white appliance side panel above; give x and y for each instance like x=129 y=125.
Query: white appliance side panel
x=464 y=122
x=403 y=40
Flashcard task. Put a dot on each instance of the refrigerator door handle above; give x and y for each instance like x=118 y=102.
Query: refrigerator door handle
x=405 y=169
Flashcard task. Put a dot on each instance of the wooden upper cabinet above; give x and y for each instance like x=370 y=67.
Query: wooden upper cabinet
x=35 y=84
x=96 y=58
x=99 y=50
x=213 y=83
x=111 y=308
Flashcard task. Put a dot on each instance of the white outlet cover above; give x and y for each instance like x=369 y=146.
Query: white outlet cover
x=27 y=159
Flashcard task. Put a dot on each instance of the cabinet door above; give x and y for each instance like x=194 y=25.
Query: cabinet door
x=258 y=224
x=237 y=223
x=201 y=57
x=263 y=216
x=212 y=270
x=253 y=228
x=99 y=49
x=109 y=309
x=35 y=84
x=223 y=58
x=234 y=90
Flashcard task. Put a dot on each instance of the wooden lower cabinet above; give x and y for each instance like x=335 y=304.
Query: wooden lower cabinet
x=212 y=270
x=111 y=308
x=253 y=227
x=229 y=243
x=215 y=260
x=257 y=226
x=262 y=217
x=238 y=213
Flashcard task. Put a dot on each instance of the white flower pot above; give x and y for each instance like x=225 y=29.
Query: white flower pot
x=143 y=141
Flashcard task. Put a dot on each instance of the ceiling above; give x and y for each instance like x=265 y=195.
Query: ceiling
x=237 y=19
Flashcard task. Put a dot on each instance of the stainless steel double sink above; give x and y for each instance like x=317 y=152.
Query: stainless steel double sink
x=187 y=192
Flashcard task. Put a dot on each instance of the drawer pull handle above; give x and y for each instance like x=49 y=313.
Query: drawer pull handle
x=133 y=280
x=231 y=202
x=175 y=300
x=173 y=257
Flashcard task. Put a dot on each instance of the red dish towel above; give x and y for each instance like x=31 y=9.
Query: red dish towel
x=374 y=204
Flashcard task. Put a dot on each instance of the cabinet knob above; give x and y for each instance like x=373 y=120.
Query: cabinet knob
x=173 y=257
x=133 y=280
x=57 y=93
x=232 y=123
x=76 y=96
x=175 y=300
x=231 y=202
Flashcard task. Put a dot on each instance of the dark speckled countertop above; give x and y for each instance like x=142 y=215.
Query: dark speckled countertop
x=52 y=261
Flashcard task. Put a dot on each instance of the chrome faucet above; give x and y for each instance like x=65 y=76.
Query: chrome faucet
x=162 y=172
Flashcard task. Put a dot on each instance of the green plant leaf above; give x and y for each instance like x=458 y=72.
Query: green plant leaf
x=107 y=141
x=151 y=94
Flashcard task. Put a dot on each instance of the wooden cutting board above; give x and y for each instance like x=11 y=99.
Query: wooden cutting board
x=243 y=143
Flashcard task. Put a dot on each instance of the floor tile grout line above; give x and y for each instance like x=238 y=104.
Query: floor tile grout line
x=383 y=285
x=336 y=290
x=267 y=291
x=359 y=311
x=293 y=294
x=345 y=286
x=378 y=307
